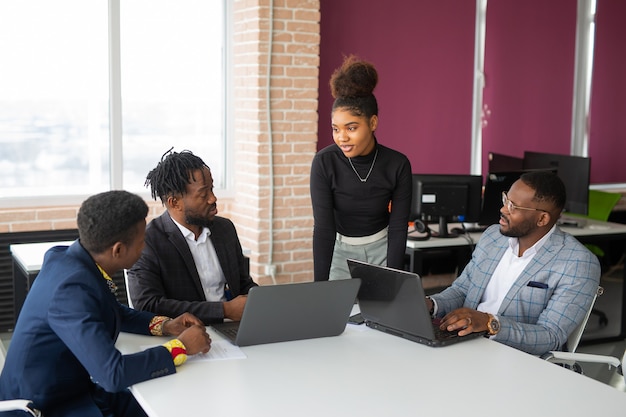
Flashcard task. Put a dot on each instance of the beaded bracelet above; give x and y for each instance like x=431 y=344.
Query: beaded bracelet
x=156 y=325
x=177 y=350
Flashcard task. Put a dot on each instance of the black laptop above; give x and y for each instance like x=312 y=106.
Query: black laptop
x=393 y=301
x=280 y=313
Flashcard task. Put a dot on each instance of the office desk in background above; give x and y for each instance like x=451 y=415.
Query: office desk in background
x=364 y=372
x=595 y=231
x=27 y=260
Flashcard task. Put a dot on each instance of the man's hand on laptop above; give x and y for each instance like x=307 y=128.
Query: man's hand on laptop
x=233 y=309
x=465 y=321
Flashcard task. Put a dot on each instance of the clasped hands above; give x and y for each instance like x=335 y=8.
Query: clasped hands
x=190 y=331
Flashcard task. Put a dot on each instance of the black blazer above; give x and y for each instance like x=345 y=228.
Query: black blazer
x=165 y=280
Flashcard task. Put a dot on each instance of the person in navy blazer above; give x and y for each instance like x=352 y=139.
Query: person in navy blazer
x=528 y=284
x=213 y=281
x=62 y=354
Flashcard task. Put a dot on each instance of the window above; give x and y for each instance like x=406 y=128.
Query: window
x=55 y=90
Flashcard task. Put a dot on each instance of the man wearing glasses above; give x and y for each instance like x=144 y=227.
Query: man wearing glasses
x=528 y=284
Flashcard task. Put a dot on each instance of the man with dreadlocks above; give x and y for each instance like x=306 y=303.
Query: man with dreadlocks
x=192 y=260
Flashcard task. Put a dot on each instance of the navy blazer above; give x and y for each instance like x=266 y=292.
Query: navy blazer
x=546 y=302
x=165 y=279
x=64 y=339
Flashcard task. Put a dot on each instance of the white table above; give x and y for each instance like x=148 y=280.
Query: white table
x=29 y=256
x=593 y=228
x=364 y=372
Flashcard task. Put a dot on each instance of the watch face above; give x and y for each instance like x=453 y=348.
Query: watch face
x=495 y=325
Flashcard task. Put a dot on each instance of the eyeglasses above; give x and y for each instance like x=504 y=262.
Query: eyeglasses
x=512 y=207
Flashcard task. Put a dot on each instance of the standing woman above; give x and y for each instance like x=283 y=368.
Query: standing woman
x=360 y=189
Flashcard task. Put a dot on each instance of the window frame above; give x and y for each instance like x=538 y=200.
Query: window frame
x=116 y=122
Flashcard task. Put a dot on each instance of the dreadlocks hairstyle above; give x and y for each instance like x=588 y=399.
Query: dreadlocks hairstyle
x=109 y=217
x=352 y=87
x=172 y=174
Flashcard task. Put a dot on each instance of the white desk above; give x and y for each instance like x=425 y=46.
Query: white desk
x=593 y=228
x=27 y=260
x=29 y=256
x=364 y=372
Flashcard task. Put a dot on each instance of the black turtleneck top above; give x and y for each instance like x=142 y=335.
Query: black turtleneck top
x=343 y=203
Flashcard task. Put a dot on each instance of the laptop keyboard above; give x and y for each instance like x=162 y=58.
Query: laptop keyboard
x=230 y=331
x=442 y=334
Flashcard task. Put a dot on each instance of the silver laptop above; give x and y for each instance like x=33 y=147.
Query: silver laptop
x=393 y=301
x=280 y=313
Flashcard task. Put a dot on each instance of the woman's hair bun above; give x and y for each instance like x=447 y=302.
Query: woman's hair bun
x=355 y=78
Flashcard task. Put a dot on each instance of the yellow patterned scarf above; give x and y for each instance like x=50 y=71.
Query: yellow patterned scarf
x=110 y=282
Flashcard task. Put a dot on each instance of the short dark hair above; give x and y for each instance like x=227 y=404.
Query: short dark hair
x=110 y=217
x=173 y=173
x=548 y=187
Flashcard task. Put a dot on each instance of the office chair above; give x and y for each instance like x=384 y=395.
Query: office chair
x=576 y=358
x=130 y=303
x=570 y=359
x=600 y=205
x=16 y=405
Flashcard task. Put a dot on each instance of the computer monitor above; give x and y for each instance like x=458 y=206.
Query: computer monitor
x=446 y=198
x=495 y=184
x=573 y=170
x=499 y=162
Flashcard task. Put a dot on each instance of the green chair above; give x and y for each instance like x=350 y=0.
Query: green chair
x=600 y=205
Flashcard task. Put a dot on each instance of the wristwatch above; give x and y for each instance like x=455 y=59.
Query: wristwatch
x=493 y=325
x=432 y=309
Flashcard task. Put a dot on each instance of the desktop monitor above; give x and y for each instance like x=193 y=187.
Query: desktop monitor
x=573 y=170
x=446 y=198
x=495 y=184
x=504 y=163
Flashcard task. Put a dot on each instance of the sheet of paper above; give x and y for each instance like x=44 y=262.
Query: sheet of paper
x=220 y=350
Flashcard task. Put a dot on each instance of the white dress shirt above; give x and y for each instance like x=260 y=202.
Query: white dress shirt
x=207 y=263
x=508 y=270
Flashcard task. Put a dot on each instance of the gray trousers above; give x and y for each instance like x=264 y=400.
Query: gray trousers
x=374 y=253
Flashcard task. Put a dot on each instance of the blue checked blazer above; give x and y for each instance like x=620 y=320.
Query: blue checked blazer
x=535 y=320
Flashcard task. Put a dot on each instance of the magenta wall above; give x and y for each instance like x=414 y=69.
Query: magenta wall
x=424 y=53
x=529 y=72
x=607 y=137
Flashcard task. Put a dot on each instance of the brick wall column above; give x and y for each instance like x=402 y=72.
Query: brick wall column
x=272 y=207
